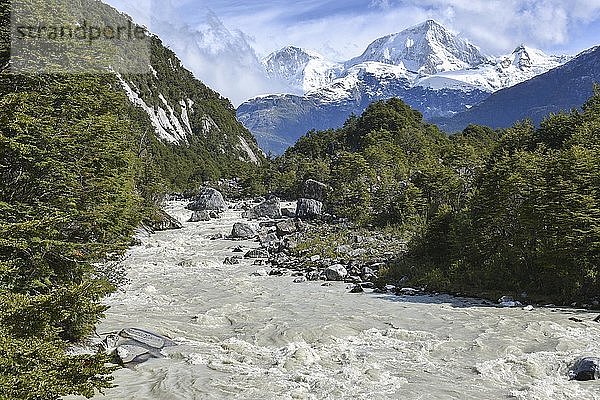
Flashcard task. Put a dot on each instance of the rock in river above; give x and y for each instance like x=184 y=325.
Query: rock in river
x=257 y=253
x=134 y=346
x=268 y=209
x=163 y=222
x=208 y=199
x=586 y=369
x=242 y=230
x=199 y=216
x=357 y=289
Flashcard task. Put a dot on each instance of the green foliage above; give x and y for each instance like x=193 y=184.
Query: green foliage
x=532 y=220
x=67 y=199
x=506 y=211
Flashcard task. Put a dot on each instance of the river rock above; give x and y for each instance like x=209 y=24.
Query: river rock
x=134 y=346
x=260 y=272
x=276 y=272
x=268 y=209
x=257 y=253
x=586 y=369
x=357 y=289
x=336 y=272
x=242 y=230
x=267 y=239
x=367 y=274
x=163 y=222
x=286 y=227
x=208 y=199
x=314 y=190
x=507 y=301
x=313 y=276
x=300 y=279
x=200 y=216
x=309 y=209
x=407 y=291
x=353 y=279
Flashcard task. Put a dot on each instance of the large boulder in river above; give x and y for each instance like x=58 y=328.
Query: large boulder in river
x=268 y=209
x=336 y=272
x=162 y=221
x=309 y=209
x=314 y=190
x=257 y=253
x=242 y=230
x=208 y=199
x=586 y=369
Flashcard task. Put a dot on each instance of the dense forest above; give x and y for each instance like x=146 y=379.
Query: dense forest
x=485 y=212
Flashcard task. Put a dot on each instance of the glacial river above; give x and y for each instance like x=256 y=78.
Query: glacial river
x=246 y=337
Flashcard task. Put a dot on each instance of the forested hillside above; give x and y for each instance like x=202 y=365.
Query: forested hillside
x=83 y=160
x=485 y=211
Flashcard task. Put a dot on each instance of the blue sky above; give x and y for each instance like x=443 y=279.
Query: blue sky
x=343 y=28
x=222 y=41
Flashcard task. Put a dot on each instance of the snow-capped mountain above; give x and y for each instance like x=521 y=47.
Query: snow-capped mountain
x=368 y=78
x=563 y=88
x=303 y=70
x=278 y=121
x=497 y=73
x=426 y=49
x=429 y=67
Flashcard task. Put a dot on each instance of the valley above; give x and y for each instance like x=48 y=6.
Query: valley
x=405 y=217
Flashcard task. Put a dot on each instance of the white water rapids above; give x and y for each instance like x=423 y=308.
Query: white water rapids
x=247 y=337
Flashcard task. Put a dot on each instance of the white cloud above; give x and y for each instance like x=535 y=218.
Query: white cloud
x=227 y=60
x=495 y=25
x=221 y=58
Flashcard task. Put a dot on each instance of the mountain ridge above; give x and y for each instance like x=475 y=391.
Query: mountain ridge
x=561 y=89
x=447 y=67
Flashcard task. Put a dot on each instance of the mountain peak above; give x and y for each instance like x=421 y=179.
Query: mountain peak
x=428 y=24
x=292 y=52
x=426 y=48
x=520 y=48
x=525 y=57
x=302 y=70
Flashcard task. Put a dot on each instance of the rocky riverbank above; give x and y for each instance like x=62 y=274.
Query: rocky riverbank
x=298 y=240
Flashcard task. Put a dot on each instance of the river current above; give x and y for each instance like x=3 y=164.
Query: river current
x=252 y=337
